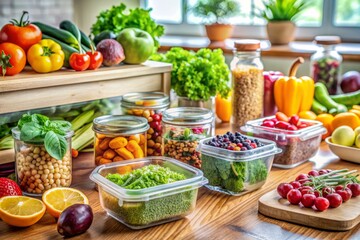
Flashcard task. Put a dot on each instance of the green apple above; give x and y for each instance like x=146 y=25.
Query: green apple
x=138 y=45
x=357 y=131
x=343 y=135
x=357 y=141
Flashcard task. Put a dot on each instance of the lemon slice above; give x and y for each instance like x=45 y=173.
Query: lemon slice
x=21 y=211
x=58 y=199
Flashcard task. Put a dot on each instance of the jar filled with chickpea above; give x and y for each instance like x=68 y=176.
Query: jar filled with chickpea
x=119 y=137
x=149 y=105
x=37 y=171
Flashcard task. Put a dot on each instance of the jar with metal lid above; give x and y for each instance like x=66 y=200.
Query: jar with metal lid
x=149 y=105
x=183 y=128
x=326 y=62
x=37 y=171
x=247 y=83
x=119 y=137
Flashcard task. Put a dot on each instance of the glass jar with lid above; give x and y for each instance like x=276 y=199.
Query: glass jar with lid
x=149 y=105
x=183 y=128
x=247 y=83
x=325 y=63
x=36 y=170
x=119 y=137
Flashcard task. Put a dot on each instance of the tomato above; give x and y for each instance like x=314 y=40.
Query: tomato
x=345 y=194
x=355 y=189
x=96 y=59
x=335 y=200
x=322 y=203
x=21 y=33
x=294 y=196
x=283 y=189
x=12 y=59
x=308 y=200
x=79 y=61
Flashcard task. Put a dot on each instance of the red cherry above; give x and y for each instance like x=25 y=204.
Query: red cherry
x=295 y=184
x=283 y=189
x=313 y=173
x=322 y=203
x=294 y=196
x=308 y=200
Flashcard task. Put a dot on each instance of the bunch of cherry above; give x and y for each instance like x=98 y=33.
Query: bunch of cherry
x=321 y=189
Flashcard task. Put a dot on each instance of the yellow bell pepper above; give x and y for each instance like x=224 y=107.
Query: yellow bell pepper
x=292 y=94
x=45 y=56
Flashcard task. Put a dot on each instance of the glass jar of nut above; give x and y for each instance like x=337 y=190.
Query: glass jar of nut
x=37 y=171
x=149 y=105
x=247 y=83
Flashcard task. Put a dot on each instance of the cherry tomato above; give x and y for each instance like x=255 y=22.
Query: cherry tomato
x=268 y=123
x=283 y=189
x=322 y=203
x=355 y=189
x=292 y=128
x=317 y=193
x=273 y=120
x=12 y=59
x=281 y=117
x=96 y=59
x=294 y=119
x=345 y=194
x=306 y=190
x=335 y=200
x=323 y=171
x=294 y=196
x=339 y=187
x=295 y=184
x=301 y=177
x=22 y=32
x=79 y=61
x=308 y=200
x=313 y=173
x=327 y=190
x=282 y=125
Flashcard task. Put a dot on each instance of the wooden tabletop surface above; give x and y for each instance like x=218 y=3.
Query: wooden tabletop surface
x=217 y=216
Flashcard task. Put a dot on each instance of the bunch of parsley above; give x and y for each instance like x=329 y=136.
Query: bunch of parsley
x=197 y=75
x=115 y=20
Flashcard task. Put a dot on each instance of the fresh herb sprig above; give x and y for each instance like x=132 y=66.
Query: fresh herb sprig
x=333 y=178
x=37 y=128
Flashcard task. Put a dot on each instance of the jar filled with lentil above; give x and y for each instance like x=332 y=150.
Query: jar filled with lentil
x=183 y=128
x=247 y=83
x=149 y=105
x=37 y=171
x=119 y=137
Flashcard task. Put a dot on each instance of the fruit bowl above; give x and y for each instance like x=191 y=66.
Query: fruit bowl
x=351 y=154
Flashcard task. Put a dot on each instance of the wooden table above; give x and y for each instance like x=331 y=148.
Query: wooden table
x=217 y=216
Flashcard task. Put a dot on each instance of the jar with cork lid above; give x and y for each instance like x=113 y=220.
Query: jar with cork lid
x=247 y=83
x=326 y=62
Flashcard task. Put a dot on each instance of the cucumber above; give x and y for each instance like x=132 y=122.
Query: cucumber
x=317 y=108
x=86 y=41
x=59 y=34
x=104 y=35
x=352 y=98
x=71 y=28
x=68 y=50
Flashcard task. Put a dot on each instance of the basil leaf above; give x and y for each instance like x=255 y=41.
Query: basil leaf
x=55 y=145
x=26 y=118
x=40 y=119
x=60 y=127
x=30 y=131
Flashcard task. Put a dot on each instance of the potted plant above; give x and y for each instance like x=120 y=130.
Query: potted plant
x=197 y=77
x=215 y=14
x=281 y=15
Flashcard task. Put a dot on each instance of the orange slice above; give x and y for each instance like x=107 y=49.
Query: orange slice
x=21 y=211
x=58 y=199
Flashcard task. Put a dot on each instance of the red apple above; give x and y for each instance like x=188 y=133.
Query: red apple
x=350 y=82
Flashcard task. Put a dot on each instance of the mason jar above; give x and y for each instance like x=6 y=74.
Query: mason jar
x=183 y=128
x=149 y=105
x=325 y=63
x=119 y=137
x=36 y=171
x=247 y=83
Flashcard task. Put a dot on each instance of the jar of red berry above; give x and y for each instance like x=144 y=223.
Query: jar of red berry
x=326 y=62
x=149 y=105
x=183 y=128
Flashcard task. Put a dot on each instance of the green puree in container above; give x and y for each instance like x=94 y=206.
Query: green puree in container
x=160 y=207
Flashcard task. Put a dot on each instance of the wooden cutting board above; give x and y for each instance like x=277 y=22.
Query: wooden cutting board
x=342 y=218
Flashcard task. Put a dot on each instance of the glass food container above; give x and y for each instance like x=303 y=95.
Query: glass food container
x=119 y=137
x=149 y=105
x=183 y=127
x=247 y=83
x=237 y=172
x=146 y=207
x=326 y=62
x=36 y=171
x=297 y=146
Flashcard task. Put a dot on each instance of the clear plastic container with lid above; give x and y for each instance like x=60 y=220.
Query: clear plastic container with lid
x=119 y=137
x=247 y=83
x=149 y=105
x=326 y=62
x=183 y=128
x=36 y=171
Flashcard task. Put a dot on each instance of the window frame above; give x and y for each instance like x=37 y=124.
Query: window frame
x=327 y=27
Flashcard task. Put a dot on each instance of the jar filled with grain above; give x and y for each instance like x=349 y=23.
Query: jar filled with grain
x=119 y=137
x=37 y=171
x=149 y=105
x=183 y=128
x=247 y=83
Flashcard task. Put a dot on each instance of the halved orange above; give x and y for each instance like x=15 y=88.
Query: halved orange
x=58 y=199
x=21 y=211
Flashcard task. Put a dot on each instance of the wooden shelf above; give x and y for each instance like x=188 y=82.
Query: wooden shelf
x=31 y=90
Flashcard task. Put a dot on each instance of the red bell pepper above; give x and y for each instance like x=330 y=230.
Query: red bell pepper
x=269 y=102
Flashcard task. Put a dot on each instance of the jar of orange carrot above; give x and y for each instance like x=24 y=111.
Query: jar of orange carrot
x=119 y=137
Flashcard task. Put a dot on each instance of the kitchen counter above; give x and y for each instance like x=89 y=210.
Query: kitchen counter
x=217 y=216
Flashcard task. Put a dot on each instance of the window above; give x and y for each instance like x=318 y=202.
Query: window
x=327 y=17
